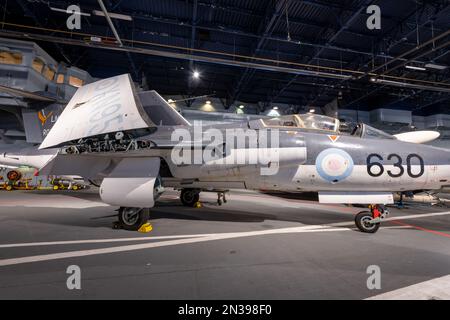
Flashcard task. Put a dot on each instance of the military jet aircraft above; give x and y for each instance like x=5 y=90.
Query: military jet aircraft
x=134 y=145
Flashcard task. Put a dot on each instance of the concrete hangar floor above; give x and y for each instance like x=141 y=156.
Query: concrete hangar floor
x=255 y=246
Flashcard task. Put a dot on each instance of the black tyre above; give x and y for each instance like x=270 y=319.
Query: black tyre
x=189 y=197
x=14 y=175
x=133 y=218
x=362 y=222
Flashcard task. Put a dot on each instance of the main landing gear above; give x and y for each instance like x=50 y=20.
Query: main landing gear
x=189 y=197
x=132 y=218
x=369 y=221
x=221 y=198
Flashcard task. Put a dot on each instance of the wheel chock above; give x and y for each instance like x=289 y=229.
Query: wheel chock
x=146 y=227
x=198 y=204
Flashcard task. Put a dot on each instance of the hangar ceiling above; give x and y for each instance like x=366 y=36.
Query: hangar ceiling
x=257 y=50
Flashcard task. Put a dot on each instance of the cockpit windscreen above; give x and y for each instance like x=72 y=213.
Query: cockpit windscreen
x=322 y=123
x=304 y=121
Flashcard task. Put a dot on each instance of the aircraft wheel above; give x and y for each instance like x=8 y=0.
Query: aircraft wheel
x=189 y=197
x=362 y=222
x=133 y=218
x=75 y=188
x=9 y=188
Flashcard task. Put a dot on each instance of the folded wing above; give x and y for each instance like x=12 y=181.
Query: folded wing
x=98 y=108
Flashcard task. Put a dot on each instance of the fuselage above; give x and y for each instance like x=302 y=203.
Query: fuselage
x=307 y=160
x=317 y=161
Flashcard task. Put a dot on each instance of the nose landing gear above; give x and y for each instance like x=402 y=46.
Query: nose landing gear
x=369 y=221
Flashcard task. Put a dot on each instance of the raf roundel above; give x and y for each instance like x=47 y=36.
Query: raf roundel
x=334 y=165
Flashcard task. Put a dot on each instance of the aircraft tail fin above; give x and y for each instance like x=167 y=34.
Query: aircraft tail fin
x=102 y=107
x=159 y=111
x=37 y=124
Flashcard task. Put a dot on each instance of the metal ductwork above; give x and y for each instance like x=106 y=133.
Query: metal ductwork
x=391 y=117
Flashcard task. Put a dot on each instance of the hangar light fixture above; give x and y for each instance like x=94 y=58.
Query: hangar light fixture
x=273 y=113
x=409 y=85
x=415 y=68
x=275 y=108
x=196 y=74
x=170 y=101
x=241 y=106
x=435 y=66
x=312 y=110
x=65 y=11
x=113 y=15
x=208 y=102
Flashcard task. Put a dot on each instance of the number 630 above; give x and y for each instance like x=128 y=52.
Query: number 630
x=371 y=163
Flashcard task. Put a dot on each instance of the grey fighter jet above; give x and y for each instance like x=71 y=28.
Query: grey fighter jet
x=134 y=145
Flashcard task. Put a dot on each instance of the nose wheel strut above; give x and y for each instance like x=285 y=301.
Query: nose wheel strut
x=369 y=221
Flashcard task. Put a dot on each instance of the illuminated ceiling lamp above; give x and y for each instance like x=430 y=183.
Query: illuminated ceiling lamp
x=435 y=66
x=113 y=15
x=240 y=109
x=273 y=112
x=415 y=68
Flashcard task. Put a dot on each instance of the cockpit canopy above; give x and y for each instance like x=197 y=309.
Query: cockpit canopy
x=316 y=122
x=304 y=121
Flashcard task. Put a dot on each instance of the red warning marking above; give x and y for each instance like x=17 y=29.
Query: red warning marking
x=333 y=138
x=442 y=234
